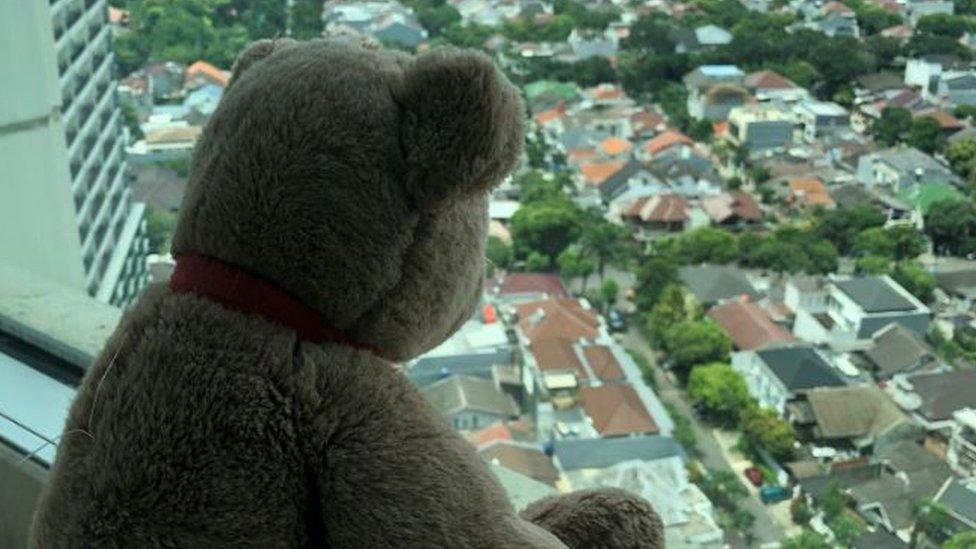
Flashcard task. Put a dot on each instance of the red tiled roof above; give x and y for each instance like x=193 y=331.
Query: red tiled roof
x=747 y=325
x=946 y=121
x=769 y=80
x=603 y=363
x=664 y=208
x=606 y=92
x=488 y=435
x=212 y=73
x=642 y=121
x=560 y=318
x=578 y=156
x=616 y=410
x=557 y=355
x=528 y=283
x=548 y=116
x=721 y=207
x=596 y=173
x=523 y=459
x=666 y=140
x=810 y=191
x=836 y=6
x=615 y=145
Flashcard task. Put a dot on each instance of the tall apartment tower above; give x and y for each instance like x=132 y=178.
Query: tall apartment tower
x=66 y=212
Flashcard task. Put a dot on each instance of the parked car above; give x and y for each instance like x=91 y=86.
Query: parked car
x=772 y=494
x=616 y=320
x=755 y=476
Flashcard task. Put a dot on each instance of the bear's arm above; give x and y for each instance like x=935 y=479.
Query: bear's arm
x=389 y=471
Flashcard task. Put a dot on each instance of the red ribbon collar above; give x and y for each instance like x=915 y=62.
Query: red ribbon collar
x=242 y=291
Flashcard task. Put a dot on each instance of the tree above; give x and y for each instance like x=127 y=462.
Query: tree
x=700 y=130
x=951 y=224
x=942 y=24
x=608 y=292
x=962 y=157
x=900 y=242
x=547 y=227
x=963 y=540
x=306 y=19
x=572 y=264
x=695 y=342
x=537 y=262
x=873 y=265
x=892 y=125
x=766 y=429
x=800 y=511
x=671 y=309
x=706 y=245
x=832 y=502
x=160 y=225
x=925 y=134
x=914 y=278
x=758 y=174
x=435 y=15
x=498 y=253
x=808 y=539
x=842 y=225
x=603 y=241
x=534 y=186
x=654 y=274
x=846 y=530
x=931 y=521
x=650 y=33
x=719 y=391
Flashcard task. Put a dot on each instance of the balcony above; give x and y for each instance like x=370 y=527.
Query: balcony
x=75 y=168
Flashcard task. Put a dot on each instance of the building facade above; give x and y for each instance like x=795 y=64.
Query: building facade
x=65 y=187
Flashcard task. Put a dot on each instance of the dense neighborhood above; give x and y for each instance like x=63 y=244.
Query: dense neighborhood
x=735 y=272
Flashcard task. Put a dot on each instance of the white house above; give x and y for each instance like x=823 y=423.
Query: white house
x=821 y=118
x=856 y=309
x=962 y=444
x=776 y=376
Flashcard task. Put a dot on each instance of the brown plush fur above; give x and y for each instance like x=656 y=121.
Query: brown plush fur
x=354 y=179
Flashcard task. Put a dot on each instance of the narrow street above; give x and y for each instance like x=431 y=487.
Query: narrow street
x=766 y=529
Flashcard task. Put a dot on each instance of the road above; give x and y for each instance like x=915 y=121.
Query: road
x=766 y=529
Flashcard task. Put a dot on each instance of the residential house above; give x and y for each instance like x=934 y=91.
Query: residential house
x=898 y=168
x=615 y=148
x=469 y=402
x=897 y=350
x=732 y=210
x=427 y=370
x=958 y=498
x=662 y=213
x=521 y=490
x=590 y=364
x=808 y=193
x=387 y=21
x=948 y=123
x=523 y=458
x=807 y=293
x=767 y=85
x=588 y=44
x=821 y=118
x=557 y=318
x=645 y=124
x=711 y=284
x=700 y=38
x=760 y=127
x=837 y=20
x=651 y=466
x=959 y=284
x=165 y=80
x=525 y=287
x=592 y=175
x=956 y=88
x=631 y=181
x=856 y=309
x=748 y=325
x=917 y=9
x=777 y=376
x=664 y=141
x=713 y=90
x=202 y=73
x=616 y=410
x=686 y=173
x=961 y=454
x=933 y=397
x=173 y=142
x=861 y=418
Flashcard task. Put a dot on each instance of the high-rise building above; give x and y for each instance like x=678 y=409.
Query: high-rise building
x=66 y=211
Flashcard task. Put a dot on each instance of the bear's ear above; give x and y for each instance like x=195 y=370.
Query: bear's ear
x=463 y=124
x=255 y=52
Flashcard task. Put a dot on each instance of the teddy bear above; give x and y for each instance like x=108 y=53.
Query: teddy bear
x=333 y=225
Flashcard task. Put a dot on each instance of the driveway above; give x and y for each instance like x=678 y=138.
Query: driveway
x=767 y=530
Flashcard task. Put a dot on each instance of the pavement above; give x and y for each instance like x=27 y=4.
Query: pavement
x=767 y=529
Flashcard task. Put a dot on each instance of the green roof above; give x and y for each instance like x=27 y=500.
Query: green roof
x=565 y=90
x=923 y=195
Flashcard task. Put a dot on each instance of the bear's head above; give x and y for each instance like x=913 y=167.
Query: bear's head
x=356 y=180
